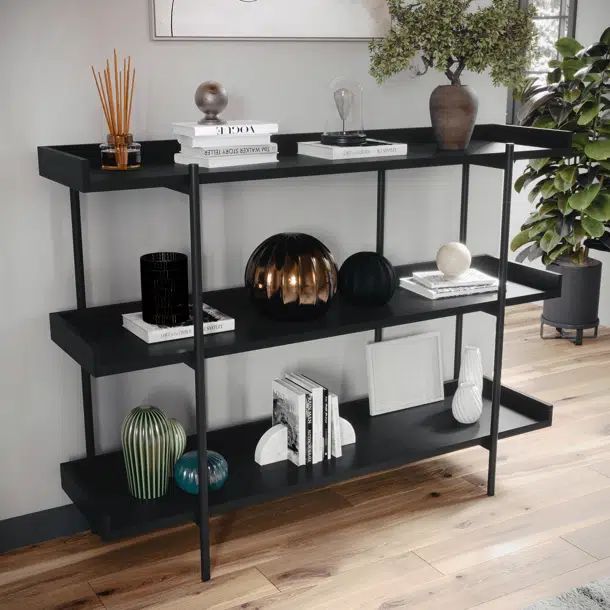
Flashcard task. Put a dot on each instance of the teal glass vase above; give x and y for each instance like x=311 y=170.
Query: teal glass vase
x=186 y=472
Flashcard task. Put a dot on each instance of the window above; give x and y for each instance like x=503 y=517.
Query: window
x=555 y=19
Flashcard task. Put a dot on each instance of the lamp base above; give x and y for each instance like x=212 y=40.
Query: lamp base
x=343 y=138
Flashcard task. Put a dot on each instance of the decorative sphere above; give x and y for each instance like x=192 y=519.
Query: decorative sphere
x=186 y=472
x=292 y=276
x=211 y=98
x=367 y=278
x=453 y=259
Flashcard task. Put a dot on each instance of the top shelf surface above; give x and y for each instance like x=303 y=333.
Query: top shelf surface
x=78 y=166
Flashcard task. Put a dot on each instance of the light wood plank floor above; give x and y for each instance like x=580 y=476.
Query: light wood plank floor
x=425 y=536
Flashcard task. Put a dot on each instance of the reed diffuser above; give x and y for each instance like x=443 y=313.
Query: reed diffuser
x=119 y=152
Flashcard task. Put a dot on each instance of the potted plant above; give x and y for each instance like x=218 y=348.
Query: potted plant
x=571 y=195
x=451 y=36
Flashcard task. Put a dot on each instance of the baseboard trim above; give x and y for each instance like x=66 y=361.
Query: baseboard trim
x=35 y=528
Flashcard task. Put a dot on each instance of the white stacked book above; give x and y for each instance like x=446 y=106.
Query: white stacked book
x=435 y=285
x=226 y=144
x=214 y=321
x=371 y=148
x=311 y=416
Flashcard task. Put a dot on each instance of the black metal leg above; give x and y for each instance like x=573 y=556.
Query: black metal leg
x=81 y=303
x=380 y=228
x=200 y=407
x=459 y=319
x=502 y=274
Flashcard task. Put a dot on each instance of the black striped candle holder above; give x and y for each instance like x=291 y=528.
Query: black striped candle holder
x=165 y=292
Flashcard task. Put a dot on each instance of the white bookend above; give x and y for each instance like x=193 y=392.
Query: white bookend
x=213 y=162
x=228 y=128
x=373 y=148
x=317 y=392
x=289 y=405
x=348 y=434
x=212 y=141
x=272 y=446
x=237 y=150
x=214 y=322
x=336 y=438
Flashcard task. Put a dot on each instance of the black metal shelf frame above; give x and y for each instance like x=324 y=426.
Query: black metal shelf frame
x=77 y=174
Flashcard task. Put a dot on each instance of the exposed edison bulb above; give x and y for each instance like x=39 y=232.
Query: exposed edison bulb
x=344 y=100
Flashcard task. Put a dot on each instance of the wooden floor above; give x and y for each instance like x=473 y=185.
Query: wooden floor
x=425 y=536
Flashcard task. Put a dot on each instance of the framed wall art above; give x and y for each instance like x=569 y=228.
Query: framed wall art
x=268 y=19
x=405 y=372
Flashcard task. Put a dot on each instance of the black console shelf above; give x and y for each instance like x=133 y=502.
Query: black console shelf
x=95 y=339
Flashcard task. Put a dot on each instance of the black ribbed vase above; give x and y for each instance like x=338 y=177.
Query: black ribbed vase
x=165 y=288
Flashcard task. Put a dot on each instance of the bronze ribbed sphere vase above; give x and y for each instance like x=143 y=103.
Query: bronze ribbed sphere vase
x=292 y=276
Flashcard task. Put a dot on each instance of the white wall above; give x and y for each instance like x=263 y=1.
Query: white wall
x=49 y=98
x=593 y=16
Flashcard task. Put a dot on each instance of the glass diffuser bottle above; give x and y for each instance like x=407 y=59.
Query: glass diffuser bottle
x=344 y=117
x=115 y=89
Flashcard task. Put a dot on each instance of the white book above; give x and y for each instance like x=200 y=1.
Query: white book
x=212 y=141
x=408 y=283
x=229 y=128
x=374 y=148
x=317 y=392
x=208 y=152
x=472 y=277
x=289 y=403
x=337 y=440
x=214 y=321
x=213 y=162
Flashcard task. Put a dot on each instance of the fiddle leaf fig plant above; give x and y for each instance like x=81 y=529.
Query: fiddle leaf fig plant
x=571 y=195
x=452 y=35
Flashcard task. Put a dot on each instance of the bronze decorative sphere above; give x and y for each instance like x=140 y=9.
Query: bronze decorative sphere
x=211 y=98
x=292 y=276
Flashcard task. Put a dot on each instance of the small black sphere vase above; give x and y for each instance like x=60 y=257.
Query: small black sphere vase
x=367 y=278
x=292 y=276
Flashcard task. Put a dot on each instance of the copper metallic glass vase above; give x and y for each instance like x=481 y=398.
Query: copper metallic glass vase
x=292 y=276
x=120 y=153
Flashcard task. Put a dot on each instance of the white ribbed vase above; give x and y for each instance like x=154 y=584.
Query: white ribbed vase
x=146 y=451
x=471 y=370
x=177 y=443
x=467 y=404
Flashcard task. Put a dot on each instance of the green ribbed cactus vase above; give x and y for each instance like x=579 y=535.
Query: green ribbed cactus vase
x=145 y=435
x=177 y=442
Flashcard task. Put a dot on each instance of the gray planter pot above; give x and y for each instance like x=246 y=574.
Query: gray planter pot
x=578 y=306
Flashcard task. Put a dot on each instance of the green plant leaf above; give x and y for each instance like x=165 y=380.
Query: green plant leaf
x=562 y=205
x=571 y=66
x=582 y=200
x=605 y=38
x=600 y=208
x=533 y=194
x=520 y=240
x=548 y=189
x=580 y=140
x=545 y=123
x=589 y=111
x=568 y=47
x=594 y=228
x=571 y=95
x=559 y=251
x=538 y=164
x=550 y=240
x=521 y=182
x=598 y=150
x=577 y=236
x=565 y=178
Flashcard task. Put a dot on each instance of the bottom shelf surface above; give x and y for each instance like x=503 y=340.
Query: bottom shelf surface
x=98 y=485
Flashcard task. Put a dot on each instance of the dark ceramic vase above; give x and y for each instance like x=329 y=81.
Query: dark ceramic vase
x=367 y=278
x=453 y=110
x=578 y=306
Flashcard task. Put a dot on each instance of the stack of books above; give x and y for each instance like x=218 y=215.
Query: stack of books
x=371 y=148
x=226 y=144
x=311 y=415
x=214 y=321
x=435 y=285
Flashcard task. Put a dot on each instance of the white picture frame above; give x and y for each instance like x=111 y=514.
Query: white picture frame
x=268 y=19
x=404 y=373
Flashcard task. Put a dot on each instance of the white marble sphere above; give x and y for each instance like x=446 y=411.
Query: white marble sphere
x=453 y=259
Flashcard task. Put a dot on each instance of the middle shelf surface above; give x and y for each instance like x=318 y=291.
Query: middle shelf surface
x=96 y=340
x=98 y=486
